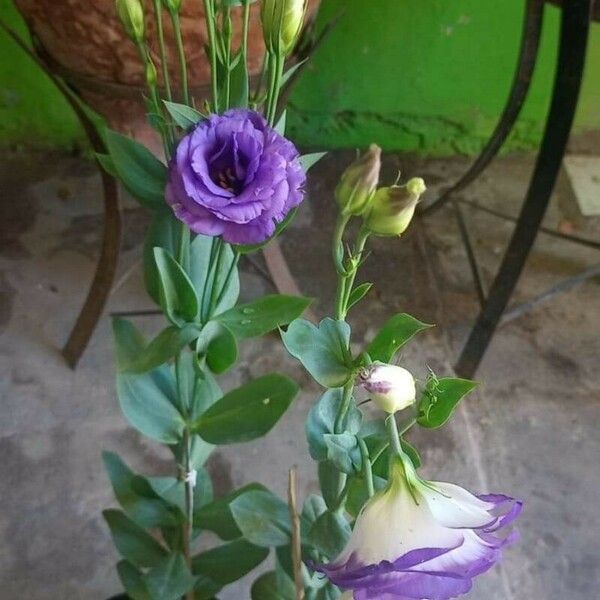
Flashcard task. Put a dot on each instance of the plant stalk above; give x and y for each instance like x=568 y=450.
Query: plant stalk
x=181 y=53
x=209 y=15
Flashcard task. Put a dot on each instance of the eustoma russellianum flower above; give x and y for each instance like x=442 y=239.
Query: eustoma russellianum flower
x=420 y=540
x=236 y=177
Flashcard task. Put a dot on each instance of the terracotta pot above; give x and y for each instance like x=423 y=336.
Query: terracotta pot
x=85 y=42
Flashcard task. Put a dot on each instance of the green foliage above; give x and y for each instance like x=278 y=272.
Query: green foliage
x=308 y=161
x=393 y=335
x=217 y=516
x=329 y=534
x=321 y=422
x=148 y=400
x=185 y=116
x=170 y=579
x=238 y=94
x=133 y=581
x=271 y=587
x=323 y=350
x=343 y=452
x=247 y=412
x=133 y=543
x=164 y=232
x=143 y=175
x=439 y=399
x=279 y=229
x=358 y=293
x=140 y=502
x=225 y=564
x=263 y=518
x=178 y=297
x=263 y=315
x=328 y=482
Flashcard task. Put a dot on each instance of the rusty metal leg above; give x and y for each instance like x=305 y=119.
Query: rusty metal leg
x=575 y=25
x=532 y=29
x=111 y=243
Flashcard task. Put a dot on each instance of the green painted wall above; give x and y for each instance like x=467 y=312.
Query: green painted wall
x=32 y=111
x=418 y=75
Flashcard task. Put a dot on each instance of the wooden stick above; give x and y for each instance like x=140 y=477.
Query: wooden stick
x=296 y=536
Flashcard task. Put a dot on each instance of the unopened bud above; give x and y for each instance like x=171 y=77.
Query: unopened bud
x=393 y=208
x=282 y=22
x=151 y=76
x=173 y=6
x=131 y=14
x=359 y=182
x=391 y=387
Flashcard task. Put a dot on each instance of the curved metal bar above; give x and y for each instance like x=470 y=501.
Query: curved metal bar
x=111 y=242
x=575 y=26
x=530 y=43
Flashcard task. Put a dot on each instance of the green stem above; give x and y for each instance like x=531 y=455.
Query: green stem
x=234 y=263
x=394 y=436
x=181 y=53
x=209 y=15
x=277 y=66
x=361 y=241
x=215 y=284
x=227 y=29
x=367 y=467
x=344 y=406
x=163 y=51
x=245 y=30
x=189 y=503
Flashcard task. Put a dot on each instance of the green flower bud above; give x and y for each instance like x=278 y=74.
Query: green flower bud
x=173 y=6
x=151 y=77
x=282 y=22
x=393 y=208
x=359 y=182
x=131 y=14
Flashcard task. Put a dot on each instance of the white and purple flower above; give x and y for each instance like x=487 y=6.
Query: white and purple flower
x=419 y=540
x=391 y=387
x=236 y=177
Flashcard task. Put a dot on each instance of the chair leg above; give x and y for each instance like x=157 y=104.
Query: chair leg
x=532 y=30
x=575 y=25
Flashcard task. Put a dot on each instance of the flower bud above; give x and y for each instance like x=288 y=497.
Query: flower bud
x=173 y=6
x=393 y=208
x=131 y=14
x=359 y=182
x=282 y=21
x=391 y=387
x=151 y=76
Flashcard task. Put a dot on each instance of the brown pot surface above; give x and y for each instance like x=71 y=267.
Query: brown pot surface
x=87 y=42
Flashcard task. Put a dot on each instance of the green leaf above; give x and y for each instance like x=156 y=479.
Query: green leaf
x=280 y=125
x=164 y=232
x=170 y=489
x=321 y=421
x=439 y=399
x=343 y=451
x=165 y=346
x=170 y=579
x=185 y=116
x=143 y=175
x=217 y=517
x=330 y=534
x=263 y=518
x=328 y=482
x=107 y=164
x=133 y=581
x=358 y=293
x=133 y=542
x=141 y=505
x=290 y=72
x=177 y=294
x=228 y=563
x=268 y=587
x=314 y=507
x=323 y=350
x=218 y=345
x=227 y=288
x=148 y=409
x=248 y=412
x=238 y=94
x=263 y=315
x=308 y=161
x=393 y=335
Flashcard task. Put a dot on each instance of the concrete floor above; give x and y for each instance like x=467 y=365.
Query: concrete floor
x=531 y=430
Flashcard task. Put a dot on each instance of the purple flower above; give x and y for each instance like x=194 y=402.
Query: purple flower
x=236 y=177
x=420 y=540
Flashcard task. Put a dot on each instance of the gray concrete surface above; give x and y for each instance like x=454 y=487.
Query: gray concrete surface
x=531 y=430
